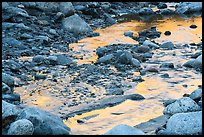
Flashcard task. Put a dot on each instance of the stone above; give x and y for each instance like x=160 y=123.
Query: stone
x=135 y=63
x=166 y=12
x=125 y=58
x=12 y=42
x=39 y=59
x=167 y=65
x=11 y=97
x=161 y=6
x=66 y=8
x=63 y=60
x=189 y=63
x=21 y=127
x=137 y=79
x=129 y=33
x=167 y=45
x=150 y=44
x=146 y=11
x=115 y=91
x=124 y=129
x=8 y=80
x=189 y=7
x=182 y=105
x=6 y=89
x=185 y=123
x=143 y=49
x=198 y=62
x=52 y=60
x=44 y=122
x=43 y=6
x=53 y=31
x=147 y=55
x=105 y=59
x=167 y=33
x=101 y=51
x=74 y=24
x=193 y=26
x=196 y=94
x=167 y=102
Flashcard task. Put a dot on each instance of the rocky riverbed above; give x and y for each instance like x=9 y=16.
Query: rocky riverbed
x=97 y=65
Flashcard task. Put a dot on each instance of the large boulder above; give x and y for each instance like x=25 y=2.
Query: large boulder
x=124 y=129
x=189 y=7
x=74 y=24
x=185 y=124
x=21 y=127
x=182 y=105
x=44 y=122
x=66 y=8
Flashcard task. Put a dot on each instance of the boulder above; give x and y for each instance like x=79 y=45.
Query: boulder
x=189 y=7
x=198 y=62
x=143 y=49
x=101 y=51
x=105 y=59
x=74 y=24
x=125 y=58
x=146 y=11
x=124 y=129
x=182 y=105
x=185 y=123
x=8 y=80
x=189 y=63
x=135 y=63
x=21 y=127
x=66 y=8
x=167 y=45
x=196 y=94
x=44 y=122
x=150 y=44
x=6 y=89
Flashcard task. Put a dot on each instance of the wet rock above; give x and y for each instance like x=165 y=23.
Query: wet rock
x=167 y=33
x=21 y=127
x=44 y=122
x=129 y=33
x=146 y=11
x=189 y=7
x=123 y=129
x=8 y=80
x=125 y=58
x=161 y=6
x=150 y=44
x=74 y=24
x=185 y=124
x=196 y=94
x=167 y=65
x=167 y=45
x=66 y=8
x=193 y=26
x=182 y=105
x=143 y=49
x=63 y=60
x=137 y=79
x=105 y=59
x=6 y=89
x=115 y=91
x=80 y=121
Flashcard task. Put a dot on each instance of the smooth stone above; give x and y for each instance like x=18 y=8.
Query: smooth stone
x=167 y=45
x=150 y=44
x=105 y=59
x=196 y=94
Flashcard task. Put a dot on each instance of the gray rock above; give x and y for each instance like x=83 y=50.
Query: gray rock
x=11 y=97
x=147 y=55
x=74 y=24
x=52 y=60
x=53 y=31
x=125 y=58
x=198 y=62
x=182 y=105
x=137 y=79
x=185 y=123
x=63 y=60
x=167 y=102
x=146 y=11
x=4 y=5
x=189 y=63
x=8 y=80
x=12 y=42
x=167 y=65
x=44 y=122
x=66 y=8
x=21 y=127
x=189 y=7
x=105 y=59
x=129 y=33
x=44 y=6
x=168 y=45
x=115 y=91
x=161 y=5
x=39 y=59
x=135 y=63
x=6 y=89
x=124 y=129
x=143 y=49
x=101 y=51
x=196 y=94
x=150 y=44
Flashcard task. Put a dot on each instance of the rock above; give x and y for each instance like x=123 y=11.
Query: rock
x=146 y=11
x=167 y=45
x=196 y=94
x=8 y=80
x=74 y=24
x=125 y=58
x=43 y=6
x=9 y=113
x=137 y=79
x=166 y=12
x=135 y=63
x=196 y=54
x=39 y=59
x=182 y=105
x=167 y=65
x=167 y=33
x=150 y=44
x=11 y=97
x=53 y=31
x=80 y=8
x=189 y=63
x=152 y=69
x=109 y=20
x=129 y=33
x=101 y=51
x=44 y=122
x=40 y=76
x=161 y=6
x=66 y=8
x=147 y=55
x=115 y=91
x=185 y=123
x=12 y=42
x=124 y=129
x=152 y=33
x=6 y=89
x=105 y=59
x=52 y=60
x=13 y=65
x=21 y=127
x=167 y=102
x=63 y=60
x=193 y=26
x=166 y=75
x=134 y=97
x=198 y=62
x=189 y=7
x=143 y=49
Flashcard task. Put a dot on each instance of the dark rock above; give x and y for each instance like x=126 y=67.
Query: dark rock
x=40 y=76
x=189 y=63
x=66 y=8
x=143 y=49
x=193 y=26
x=166 y=12
x=168 y=102
x=129 y=33
x=11 y=97
x=115 y=91
x=167 y=33
x=189 y=7
x=125 y=58
x=196 y=54
x=39 y=59
x=52 y=60
x=101 y=51
x=6 y=89
x=196 y=94
x=167 y=65
x=105 y=59
x=63 y=60
x=146 y=11
x=167 y=45
x=161 y=6
x=135 y=63
x=8 y=80
x=165 y=75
